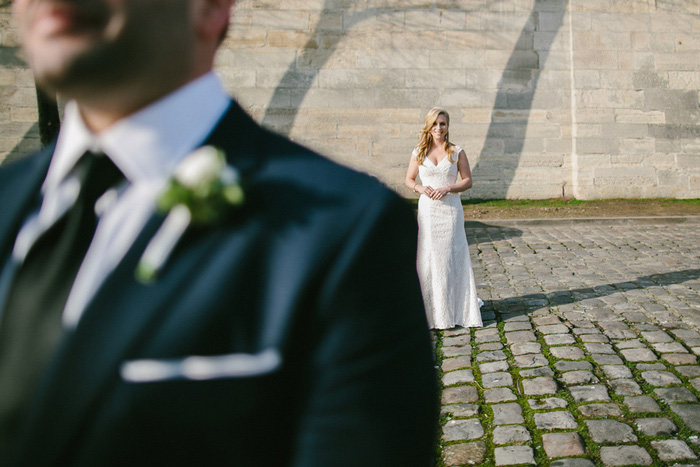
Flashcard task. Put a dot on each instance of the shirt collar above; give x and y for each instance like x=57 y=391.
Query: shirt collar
x=147 y=145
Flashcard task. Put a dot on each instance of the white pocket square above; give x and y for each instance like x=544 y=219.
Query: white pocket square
x=235 y=365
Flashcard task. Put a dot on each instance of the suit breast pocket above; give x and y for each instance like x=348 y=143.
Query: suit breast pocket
x=201 y=368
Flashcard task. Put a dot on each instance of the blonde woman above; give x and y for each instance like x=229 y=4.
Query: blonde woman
x=444 y=265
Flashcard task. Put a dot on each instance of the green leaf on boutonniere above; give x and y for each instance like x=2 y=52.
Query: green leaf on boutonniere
x=203 y=191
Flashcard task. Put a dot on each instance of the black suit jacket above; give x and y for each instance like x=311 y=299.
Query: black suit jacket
x=317 y=268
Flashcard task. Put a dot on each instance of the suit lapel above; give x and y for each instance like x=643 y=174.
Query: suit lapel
x=122 y=314
x=20 y=182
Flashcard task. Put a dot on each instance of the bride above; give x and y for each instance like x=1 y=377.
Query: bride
x=444 y=265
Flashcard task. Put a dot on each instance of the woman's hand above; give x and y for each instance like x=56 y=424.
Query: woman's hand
x=425 y=190
x=439 y=193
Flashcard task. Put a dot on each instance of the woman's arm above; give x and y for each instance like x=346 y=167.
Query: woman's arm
x=411 y=182
x=463 y=185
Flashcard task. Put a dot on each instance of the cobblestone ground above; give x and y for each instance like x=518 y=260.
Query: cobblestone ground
x=589 y=351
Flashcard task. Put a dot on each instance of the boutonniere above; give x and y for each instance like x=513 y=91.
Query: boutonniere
x=202 y=191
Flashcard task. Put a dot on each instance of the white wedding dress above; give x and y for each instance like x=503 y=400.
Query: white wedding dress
x=444 y=266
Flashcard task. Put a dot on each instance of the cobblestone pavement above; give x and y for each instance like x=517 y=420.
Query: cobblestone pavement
x=589 y=351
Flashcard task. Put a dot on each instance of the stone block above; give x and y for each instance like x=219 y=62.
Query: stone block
x=467 y=429
x=656 y=426
x=514 y=455
x=507 y=414
x=624 y=455
x=600 y=410
x=670 y=450
x=558 y=420
x=464 y=453
x=459 y=394
x=563 y=444
x=511 y=434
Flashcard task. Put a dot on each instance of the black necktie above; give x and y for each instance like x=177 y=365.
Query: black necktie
x=30 y=324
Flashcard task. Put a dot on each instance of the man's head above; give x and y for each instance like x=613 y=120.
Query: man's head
x=111 y=52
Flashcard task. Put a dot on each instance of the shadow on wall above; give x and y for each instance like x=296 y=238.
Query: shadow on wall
x=501 y=152
x=505 y=138
x=500 y=155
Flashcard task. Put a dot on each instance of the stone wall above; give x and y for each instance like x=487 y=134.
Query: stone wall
x=550 y=98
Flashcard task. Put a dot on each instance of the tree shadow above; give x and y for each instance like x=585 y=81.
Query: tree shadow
x=276 y=109
x=526 y=304
x=505 y=138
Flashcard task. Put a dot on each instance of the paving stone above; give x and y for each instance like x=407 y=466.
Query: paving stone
x=675 y=395
x=642 y=404
x=680 y=358
x=572 y=462
x=492 y=367
x=589 y=393
x=695 y=383
x=494 y=380
x=558 y=420
x=522 y=348
x=656 y=336
x=547 y=403
x=458 y=377
x=499 y=395
x=539 y=371
x=616 y=371
x=656 y=426
x=457 y=350
x=624 y=455
x=459 y=394
x=650 y=366
x=462 y=429
x=539 y=386
x=606 y=359
x=464 y=453
x=599 y=348
x=599 y=338
x=620 y=334
x=520 y=336
x=610 y=431
x=553 y=329
x=600 y=410
x=491 y=356
x=456 y=341
x=579 y=331
x=460 y=410
x=517 y=326
x=638 y=355
x=690 y=371
x=625 y=387
x=559 y=339
x=529 y=361
x=507 y=414
x=579 y=377
x=670 y=347
x=565 y=365
x=563 y=444
x=491 y=338
x=567 y=353
x=660 y=378
x=630 y=344
x=673 y=450
x=456 y=363
x=511 y=434
x=457 y=331
x=490 y=346
x=546 y=320
x=510 y=455
x=486 y=332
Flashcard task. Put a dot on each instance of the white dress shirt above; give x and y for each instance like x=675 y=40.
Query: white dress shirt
x=146 y=147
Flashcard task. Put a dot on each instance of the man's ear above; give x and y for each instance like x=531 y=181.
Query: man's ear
x=211 y=19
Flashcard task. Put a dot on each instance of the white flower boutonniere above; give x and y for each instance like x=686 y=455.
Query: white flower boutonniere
x=202 y=191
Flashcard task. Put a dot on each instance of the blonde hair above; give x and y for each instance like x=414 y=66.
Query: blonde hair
x=425 y=140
